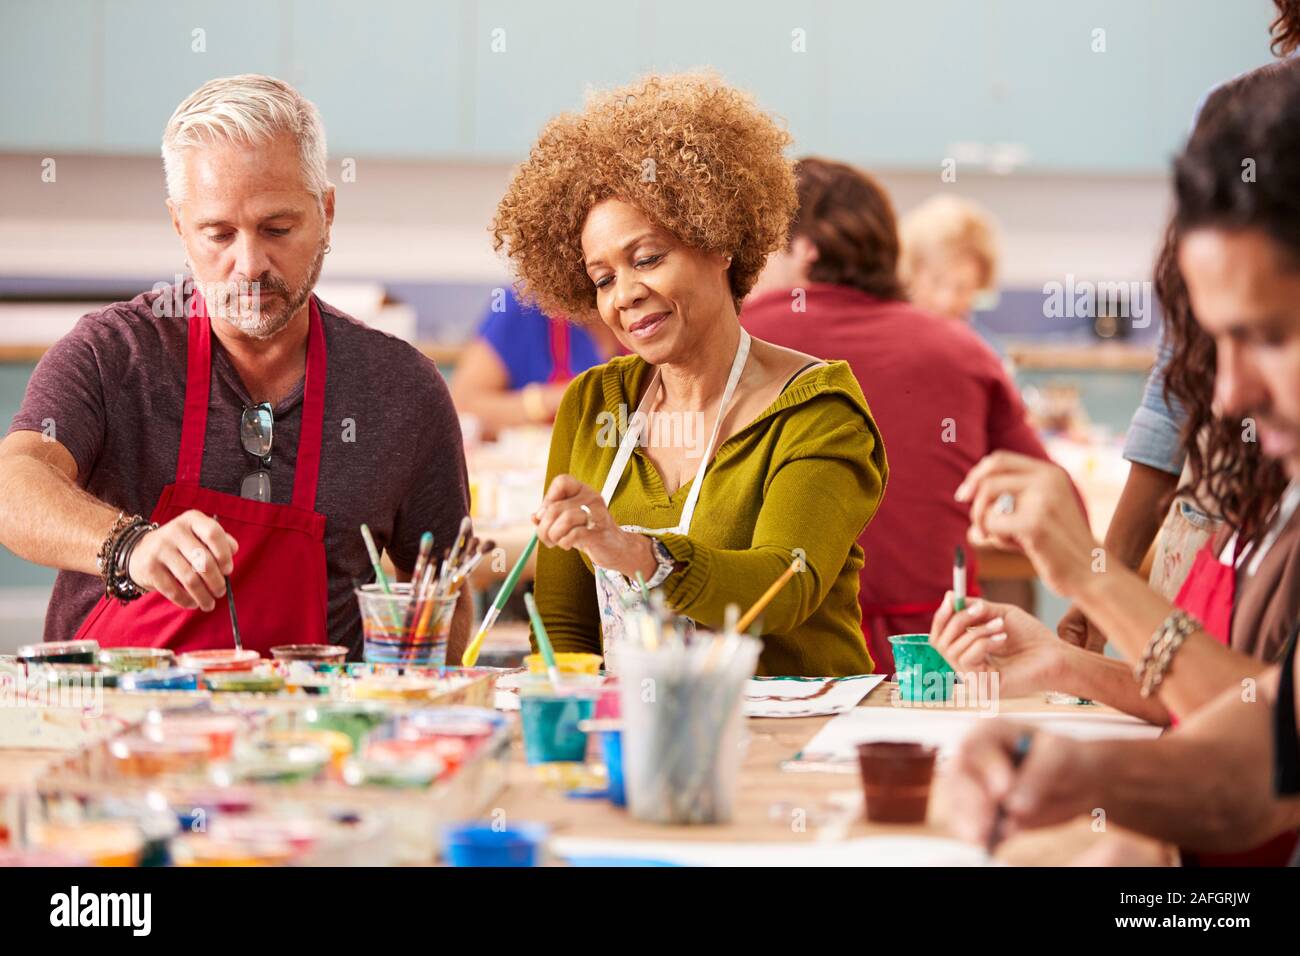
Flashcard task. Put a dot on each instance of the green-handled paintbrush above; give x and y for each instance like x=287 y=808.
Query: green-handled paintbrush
x=503 y=595
x=543 y=642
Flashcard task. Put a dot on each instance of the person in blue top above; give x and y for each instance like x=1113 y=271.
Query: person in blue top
x=518 y=366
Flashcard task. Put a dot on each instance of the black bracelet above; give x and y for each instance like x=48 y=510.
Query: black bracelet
x=125 y=589
x=108 y=551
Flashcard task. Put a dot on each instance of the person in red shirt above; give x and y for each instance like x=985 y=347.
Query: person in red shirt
x=938 y=392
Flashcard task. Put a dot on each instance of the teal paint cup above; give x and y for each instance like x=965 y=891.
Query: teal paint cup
x=923 y=675
x=550 y=727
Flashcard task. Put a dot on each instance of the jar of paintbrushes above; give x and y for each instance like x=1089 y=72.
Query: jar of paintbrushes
x=682 y=720
x=409 y=623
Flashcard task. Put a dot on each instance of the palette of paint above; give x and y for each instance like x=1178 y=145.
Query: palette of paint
x=116 y=830
x=409 y=771
x=318 y=670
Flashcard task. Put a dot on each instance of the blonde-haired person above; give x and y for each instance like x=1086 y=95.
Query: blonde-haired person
x=949 y=255
x=655 y=209
x=256 y=425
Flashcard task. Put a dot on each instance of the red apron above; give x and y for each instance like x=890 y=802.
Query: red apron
x=1208 y=595
x=560 y=370
x=880 y=621
x=279 y=579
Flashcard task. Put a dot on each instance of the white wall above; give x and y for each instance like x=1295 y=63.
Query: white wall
x=104 y=216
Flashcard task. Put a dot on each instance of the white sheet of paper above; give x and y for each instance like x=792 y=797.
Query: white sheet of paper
x=837 y=741
x=868 y=851
x=805 y=697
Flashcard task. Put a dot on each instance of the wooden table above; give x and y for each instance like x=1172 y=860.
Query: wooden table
x=768 y=798
x=766 y=805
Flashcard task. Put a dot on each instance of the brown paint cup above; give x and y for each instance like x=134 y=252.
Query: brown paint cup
x=896 y=780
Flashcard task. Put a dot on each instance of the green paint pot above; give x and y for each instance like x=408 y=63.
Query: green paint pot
x=356 y=719
x=923 y=675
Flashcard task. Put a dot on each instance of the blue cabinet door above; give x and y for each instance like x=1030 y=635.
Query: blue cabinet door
x=533 y=60
x=1111 y=85
x=775 y=49
x=908 y=83
x=387 y=75
x=49 y=75
x=156 y=54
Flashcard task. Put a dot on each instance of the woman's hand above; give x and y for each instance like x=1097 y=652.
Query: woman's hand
x=1018 y=502
x=1055 y=781
x=1001 y=639
x=1075 y=628
x=562 y=522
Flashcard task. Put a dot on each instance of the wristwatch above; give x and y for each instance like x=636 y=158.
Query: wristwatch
x=665 y=560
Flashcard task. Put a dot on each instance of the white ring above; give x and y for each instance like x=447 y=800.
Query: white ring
x=1005 y=503
x=591 y=522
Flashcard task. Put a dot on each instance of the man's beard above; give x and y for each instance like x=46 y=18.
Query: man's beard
x=246 y=307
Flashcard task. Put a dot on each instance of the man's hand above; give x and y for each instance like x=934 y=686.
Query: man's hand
x=1055 y=782
x=187 y=560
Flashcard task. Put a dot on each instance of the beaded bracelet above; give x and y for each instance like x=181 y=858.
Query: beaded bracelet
x=1164 y=644
x=120 y=524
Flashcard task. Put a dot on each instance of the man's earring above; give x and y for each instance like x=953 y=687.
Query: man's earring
x=328 y=247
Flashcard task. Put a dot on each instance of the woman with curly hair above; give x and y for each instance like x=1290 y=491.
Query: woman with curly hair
x=1244 y=589
x=1156 y=446
x=706 y=462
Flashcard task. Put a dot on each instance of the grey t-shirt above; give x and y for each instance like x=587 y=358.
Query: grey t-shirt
x=112 y=392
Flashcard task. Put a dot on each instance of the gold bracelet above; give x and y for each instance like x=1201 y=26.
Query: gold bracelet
x=1160 y=650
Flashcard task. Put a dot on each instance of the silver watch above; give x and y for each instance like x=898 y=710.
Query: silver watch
x=664 y=558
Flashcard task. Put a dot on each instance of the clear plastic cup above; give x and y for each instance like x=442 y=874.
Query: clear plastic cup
x=392 y=636
x=682 y=722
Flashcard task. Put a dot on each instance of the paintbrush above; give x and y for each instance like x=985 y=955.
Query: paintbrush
x=470 y=566
x=650 y=634
x=543 y=642
x=426 y=550
x=730 y=636
x=1018 y=754
x=959 y=580
x=380 y=576
x=421 y=561
x=462 y=537
x=230 y=600
x=422 y=594
x=234 y=618
x=503 y=595
x=757 y=608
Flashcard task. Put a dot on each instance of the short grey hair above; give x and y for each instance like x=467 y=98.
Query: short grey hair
x=249 y=108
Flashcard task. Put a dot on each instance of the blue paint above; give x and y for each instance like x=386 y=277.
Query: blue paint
x=474 y=844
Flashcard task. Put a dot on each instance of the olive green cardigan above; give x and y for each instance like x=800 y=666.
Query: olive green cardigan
x=808 y=474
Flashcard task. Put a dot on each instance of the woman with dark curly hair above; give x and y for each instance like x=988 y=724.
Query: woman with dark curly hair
x=1230 y=776
x=1244 y=589
x=1156 y=449
x=706 y=461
